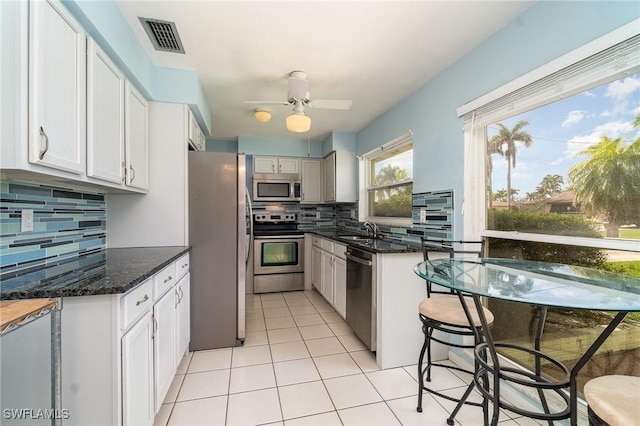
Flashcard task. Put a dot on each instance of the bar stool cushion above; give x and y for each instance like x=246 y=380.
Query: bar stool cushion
x=447 y=309
x=614 y=398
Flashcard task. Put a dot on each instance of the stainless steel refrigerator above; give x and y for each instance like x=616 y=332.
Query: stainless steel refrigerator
x=217 y=235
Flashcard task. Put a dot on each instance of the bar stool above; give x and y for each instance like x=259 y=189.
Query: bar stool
x=446 y=314
x=613 y=400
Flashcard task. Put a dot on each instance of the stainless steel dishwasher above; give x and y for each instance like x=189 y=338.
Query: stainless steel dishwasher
x=361 y=295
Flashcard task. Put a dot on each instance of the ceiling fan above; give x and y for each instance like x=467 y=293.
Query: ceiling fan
x=299 y=98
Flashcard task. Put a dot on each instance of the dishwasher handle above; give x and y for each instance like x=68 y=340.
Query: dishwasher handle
x=358 y=260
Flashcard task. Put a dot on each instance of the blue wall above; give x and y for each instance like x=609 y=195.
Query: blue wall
x=542 y=33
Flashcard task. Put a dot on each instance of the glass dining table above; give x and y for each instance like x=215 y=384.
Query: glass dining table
x=545 y=285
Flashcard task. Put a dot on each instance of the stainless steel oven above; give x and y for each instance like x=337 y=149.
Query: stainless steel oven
x=278 y=263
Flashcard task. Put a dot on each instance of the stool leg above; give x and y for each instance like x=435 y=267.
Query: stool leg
x=428 y=343
x=421 y=371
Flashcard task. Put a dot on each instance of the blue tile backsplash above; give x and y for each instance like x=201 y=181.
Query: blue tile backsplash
x=438 y=206
x=67 y=224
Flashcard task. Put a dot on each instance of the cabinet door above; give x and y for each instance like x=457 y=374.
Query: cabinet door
x=105 y=117
x=182 y=328
x=340 y=280
x=265 y=165
x=57 y=88
x=288 y=165
x=164 y=345
x=311 y=181
x=327 y=276
x=316 y=268
x=137 y=374
x=330 y=178
x=136 y=138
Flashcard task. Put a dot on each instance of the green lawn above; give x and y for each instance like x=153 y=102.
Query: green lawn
x=630 y=233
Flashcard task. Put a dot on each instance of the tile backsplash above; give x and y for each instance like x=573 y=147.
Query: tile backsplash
x=66 y=224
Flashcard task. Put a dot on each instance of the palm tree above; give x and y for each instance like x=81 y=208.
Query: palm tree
x=608 y=182
x=550 y=185
x=507 y=139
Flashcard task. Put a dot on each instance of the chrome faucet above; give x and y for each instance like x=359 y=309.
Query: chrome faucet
x=370 y=226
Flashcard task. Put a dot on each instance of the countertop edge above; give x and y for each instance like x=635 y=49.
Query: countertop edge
x=326 y=234
x=88 y=286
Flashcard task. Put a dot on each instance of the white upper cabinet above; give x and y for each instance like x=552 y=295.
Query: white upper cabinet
x=340 y=177
x=136 y=138
x=288 y=165
x=265 y=165
x=196 y=137
x=105 y=117
x=57 y=88
x=276 y=165
x=311 y=180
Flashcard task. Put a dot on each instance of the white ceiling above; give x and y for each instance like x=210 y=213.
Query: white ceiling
x=375 y=53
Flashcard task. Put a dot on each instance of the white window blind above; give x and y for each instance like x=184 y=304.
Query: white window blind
x=619 y=56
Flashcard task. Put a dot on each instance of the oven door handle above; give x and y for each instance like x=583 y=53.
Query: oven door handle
x=277 y=237
x=358 y=260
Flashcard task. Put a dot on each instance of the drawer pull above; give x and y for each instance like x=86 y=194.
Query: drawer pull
x=169 y=278
x=144 y=299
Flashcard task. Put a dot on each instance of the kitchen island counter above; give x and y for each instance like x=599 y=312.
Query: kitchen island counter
x=109 y=271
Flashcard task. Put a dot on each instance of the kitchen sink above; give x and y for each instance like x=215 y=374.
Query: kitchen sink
x=355 y=237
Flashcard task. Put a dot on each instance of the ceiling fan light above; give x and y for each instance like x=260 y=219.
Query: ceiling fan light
x=298 y=123
x=262 y=115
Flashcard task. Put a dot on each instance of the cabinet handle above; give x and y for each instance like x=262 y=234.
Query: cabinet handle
x=169 y=278
x=181 y=294
x=46 y=143
x=185 y=265
x=273 y=167
x=177 y=298
x=124 y=171
x=133 y=173
x=144 y=299
x=155 y=327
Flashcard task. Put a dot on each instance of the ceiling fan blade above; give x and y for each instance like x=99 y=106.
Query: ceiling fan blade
x=298 y=88
x=331 y=103
x=267 y=102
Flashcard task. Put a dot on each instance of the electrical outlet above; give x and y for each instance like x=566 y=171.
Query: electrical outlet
x=26 y=220
x=353 y=214
x=317 y=215
x=423 y=216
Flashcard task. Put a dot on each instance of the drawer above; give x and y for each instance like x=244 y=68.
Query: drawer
x=182 y=266
x=339 y=250
x=327 y=245
x=136 y=302
x=317 y=242
x=164 y=280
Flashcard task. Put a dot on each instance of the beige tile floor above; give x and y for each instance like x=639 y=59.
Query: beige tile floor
x=302 y=365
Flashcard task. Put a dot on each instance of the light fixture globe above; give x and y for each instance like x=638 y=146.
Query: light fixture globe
x=298 y=123
x=262 y=115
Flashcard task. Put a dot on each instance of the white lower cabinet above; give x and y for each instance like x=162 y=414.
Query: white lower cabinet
x=121 y=352
x=340 y=283
x=182 y=316
x=329 y=272
x=164 y=344
x=137 y=377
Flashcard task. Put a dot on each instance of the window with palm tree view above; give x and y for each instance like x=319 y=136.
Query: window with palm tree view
x=390 y=182
x=570 y=168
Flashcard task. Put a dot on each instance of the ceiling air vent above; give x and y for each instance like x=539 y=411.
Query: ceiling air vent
x=163 y=35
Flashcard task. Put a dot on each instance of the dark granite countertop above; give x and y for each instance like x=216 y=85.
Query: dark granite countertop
x=379 y=246
x=109 y=271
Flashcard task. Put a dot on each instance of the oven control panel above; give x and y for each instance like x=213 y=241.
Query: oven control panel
x=274 y=217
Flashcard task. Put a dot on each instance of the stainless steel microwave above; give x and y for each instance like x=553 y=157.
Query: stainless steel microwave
x=276 y=187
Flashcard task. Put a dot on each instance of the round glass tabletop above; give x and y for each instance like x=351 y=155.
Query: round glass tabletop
x=536 y=283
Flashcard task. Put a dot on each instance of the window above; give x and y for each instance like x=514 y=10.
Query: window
x=558 y=151
x=387 y=183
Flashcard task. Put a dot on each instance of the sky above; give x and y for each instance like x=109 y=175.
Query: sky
x=564 y=128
